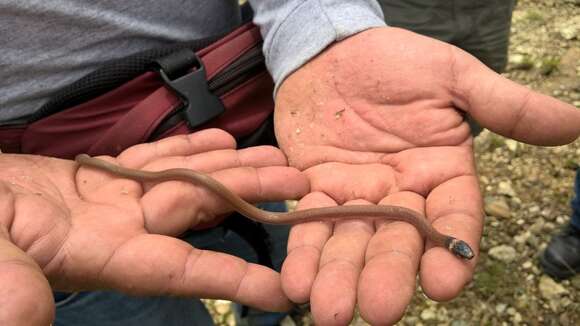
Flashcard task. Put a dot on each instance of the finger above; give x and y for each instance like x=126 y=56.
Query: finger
x=25 y=295
x=172 y=210
x=371 y=182
x=341 y=262
x=453 y=208
x=387 y=282
x=305 y=244
x=159 y=265
x=181 y=145
x=109 y=188
x=510 y=109
x=415 y=168
x=215 y=160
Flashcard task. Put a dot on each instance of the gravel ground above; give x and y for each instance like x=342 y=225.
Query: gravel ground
x=527 y=191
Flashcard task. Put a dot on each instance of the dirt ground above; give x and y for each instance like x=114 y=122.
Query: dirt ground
x=527 y=191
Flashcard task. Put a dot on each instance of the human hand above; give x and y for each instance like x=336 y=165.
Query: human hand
x=80 y=229
x=379 y=118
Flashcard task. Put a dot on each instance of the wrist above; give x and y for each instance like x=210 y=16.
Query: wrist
x=308 y=27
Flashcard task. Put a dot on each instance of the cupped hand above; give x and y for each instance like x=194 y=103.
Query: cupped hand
x=379 y=118
x=74 y=228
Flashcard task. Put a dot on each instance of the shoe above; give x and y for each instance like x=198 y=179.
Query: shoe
x=561 y=259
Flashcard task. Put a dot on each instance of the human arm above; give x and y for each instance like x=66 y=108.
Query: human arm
x=379 y=118
x=68 y=228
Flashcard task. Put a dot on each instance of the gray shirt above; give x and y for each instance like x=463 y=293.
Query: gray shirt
x=45 y=45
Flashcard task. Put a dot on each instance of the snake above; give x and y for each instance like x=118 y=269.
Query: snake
x=388 y=212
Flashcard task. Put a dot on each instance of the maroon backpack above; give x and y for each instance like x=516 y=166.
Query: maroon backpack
x=216 y=82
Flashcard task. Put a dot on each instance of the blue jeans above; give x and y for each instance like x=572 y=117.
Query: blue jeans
x=575 y=221
x=108 y=308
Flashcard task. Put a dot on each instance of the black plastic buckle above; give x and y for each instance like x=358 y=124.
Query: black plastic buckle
x=199 y=104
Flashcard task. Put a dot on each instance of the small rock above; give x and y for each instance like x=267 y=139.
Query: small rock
x=520 y=61
x=550 y=289
x=503 y=253
x=511 y=144
x=549 y=226
x=527 y=265
x=498 y=207
x=569 y=32
x=517 y=318
x=222 y=306
x=459 y=323
x=562 y=220
x=506 y=188
x=522 y=238
x=534 y=209
x=530 y=277
x=287 y=321
x=564 y=319
x=500 y=308
x=429 y=314
x=576 y=282
x=538 y=226
x=533 y=241
x=231 y=320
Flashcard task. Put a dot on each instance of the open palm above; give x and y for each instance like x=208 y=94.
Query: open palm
x=380 y=118
x=80 y=229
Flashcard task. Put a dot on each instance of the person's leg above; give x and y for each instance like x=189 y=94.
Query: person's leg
x=433 y=18
x=561 y=259
x=230 y=241
x=480 y=27
x=101 y=308
x=485 y=30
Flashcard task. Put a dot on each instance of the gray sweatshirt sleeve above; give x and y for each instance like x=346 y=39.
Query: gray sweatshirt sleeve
x=295 y=31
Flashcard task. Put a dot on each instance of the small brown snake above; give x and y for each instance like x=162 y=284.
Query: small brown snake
x=458 y=247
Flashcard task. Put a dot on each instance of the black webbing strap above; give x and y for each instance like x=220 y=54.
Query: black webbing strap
x=113 y=75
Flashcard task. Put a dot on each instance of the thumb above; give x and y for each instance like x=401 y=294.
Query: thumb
x=25 y=295
x=510 y=109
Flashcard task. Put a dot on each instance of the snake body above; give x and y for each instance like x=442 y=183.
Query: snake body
x=458 y=247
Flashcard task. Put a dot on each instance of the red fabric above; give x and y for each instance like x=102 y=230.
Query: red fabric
x=129 y=114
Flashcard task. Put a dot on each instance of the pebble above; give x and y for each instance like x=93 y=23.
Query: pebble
x=498 y=207
x=517 y=318
x=534 y=209
x=429 y=314
x=500 y=308
x=506 y=188
x=522 y=238
x=459 y=323
x=550 y=289
x=411 y=320
x=222 y=306
x=538 y=226
x=569 y=32
x=503 y=253
x=527 y=265
x=520 y=61
x=287 y=321
x=512 y=145
x=231 y=320
x=575 y=282
x=562 y=220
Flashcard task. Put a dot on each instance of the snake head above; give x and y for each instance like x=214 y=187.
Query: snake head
x=460 y=248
